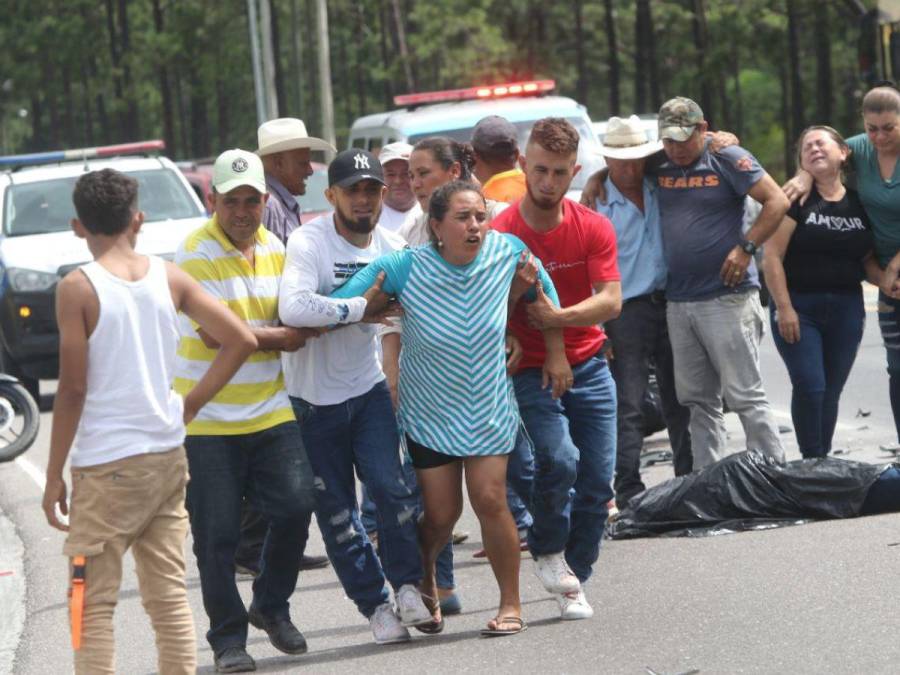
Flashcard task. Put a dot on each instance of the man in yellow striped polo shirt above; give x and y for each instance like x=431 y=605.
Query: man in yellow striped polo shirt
x=244 y=443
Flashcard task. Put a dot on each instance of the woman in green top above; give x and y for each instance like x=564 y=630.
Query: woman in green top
x=874 y=158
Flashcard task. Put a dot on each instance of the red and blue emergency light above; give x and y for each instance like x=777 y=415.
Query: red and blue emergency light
x=82 y=153
x=528 y=88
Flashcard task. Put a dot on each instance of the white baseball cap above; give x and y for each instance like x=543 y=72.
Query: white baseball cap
x=287 y=133
x=392 y=151
x=234 y=168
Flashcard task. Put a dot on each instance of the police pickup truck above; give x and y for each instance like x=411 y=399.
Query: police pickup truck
x=38 y=247
x=453 y=113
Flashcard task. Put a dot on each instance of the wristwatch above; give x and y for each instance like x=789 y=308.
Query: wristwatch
x=749 y=247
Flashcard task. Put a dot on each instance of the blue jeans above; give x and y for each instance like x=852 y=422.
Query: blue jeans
x=831 y=328
x=361 y=433
x=889 y=322
x=574 y=441
x=444 y=564
x=271 y=470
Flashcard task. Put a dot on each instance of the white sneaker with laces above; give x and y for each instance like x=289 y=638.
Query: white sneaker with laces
x=573 y=606
x=555 y=573
x=386 y=627
x=411 y=608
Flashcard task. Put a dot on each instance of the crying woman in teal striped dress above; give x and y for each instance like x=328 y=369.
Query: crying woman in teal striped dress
x=457 y=408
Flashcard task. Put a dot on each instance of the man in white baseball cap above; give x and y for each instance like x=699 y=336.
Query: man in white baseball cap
x=639 y=335
x=245 y=443
x=285 y=149
x=400 y=204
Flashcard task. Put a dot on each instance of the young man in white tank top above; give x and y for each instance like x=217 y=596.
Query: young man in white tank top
x=117 y=413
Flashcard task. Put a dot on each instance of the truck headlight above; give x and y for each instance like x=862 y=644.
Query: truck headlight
x=27 y=281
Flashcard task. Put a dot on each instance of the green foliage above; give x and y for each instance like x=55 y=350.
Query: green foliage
x=69 y=71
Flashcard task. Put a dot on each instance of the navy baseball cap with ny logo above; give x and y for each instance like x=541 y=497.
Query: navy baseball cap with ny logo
x=353 y=165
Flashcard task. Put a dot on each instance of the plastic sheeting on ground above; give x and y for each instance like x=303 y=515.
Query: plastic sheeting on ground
x=750 y=491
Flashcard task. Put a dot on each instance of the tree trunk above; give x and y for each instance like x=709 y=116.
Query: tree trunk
x=797 y=102
x=653 y=68
x=401 y=43
x=640 y=54
x=581 y=83
x=223 y=114
x=86 y=105
x=182 y=116
x=200 y=146
x=358 y=58
x=69 y=139
x=280 y=94
x=738 y=95
x=824 y=82
x=341 y=19
x=114 y=61
x=296 y=62
x=165 y=88
x=701 y=40
x=312 y=103
x=131 y=120
x=386 y=60
x=38 y=141
x=786 y=118
x=613 y=58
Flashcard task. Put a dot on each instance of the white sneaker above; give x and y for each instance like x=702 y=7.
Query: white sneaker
x=386 y=627
x=555 y=573
x=410 y=607
x=574 y=606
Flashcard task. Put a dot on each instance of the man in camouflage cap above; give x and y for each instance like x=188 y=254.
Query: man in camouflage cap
x=713 y=310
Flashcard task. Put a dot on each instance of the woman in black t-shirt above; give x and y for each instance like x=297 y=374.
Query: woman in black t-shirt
x=814 y=266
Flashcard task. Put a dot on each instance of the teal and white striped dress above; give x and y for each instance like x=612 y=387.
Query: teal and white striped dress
x=455 y=395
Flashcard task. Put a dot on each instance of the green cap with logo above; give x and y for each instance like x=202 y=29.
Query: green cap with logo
x=677 y=119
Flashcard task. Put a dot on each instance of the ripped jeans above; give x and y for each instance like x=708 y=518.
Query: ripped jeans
x=361 y=434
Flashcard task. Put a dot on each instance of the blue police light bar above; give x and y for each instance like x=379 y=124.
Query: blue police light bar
x=81 y=153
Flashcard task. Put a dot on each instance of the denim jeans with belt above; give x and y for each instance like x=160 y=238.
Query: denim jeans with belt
x=639 y=337
x=831 y=328
x=271 y=470
x=361 y=433
x=574 y=441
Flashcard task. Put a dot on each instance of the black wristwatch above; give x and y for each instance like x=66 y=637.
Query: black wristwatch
x=749 y=247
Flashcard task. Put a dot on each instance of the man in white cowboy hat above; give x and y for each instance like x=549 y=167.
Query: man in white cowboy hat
x=639 y=335
x=285 y=148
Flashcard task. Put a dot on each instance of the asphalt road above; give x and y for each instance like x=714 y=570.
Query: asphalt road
x=808 y=599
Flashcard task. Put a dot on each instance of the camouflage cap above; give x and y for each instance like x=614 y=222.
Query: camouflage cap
x=678 y=117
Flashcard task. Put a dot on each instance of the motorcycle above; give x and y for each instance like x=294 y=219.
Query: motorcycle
x=20 y=418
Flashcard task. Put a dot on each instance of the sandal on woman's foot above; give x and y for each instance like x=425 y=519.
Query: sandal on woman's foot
x=435 y=626
x=520 y=626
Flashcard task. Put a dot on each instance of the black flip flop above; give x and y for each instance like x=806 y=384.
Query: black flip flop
x=433 y=627
x=498 y=632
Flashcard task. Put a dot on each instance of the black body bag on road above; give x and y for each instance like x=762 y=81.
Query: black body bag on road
x=750 y=491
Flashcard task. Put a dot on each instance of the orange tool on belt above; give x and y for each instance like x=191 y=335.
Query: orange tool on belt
x=76 y=599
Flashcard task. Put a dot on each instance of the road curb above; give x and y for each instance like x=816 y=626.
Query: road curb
x=12 y=593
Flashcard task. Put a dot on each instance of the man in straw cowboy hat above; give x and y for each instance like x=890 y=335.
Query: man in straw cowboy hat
x=639 y=335
x=285 y=149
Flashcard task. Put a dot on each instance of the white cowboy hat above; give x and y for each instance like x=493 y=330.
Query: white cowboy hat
x=627 y=139
x=287 y=133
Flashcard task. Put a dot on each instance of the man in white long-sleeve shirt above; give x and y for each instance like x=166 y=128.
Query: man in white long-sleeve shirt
x=343 y=403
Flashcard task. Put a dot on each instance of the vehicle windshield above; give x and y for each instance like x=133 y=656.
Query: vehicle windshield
x=314 y=199
x=46 y=206
x=588 y=149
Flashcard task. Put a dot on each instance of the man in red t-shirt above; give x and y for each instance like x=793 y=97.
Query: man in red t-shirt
x=574 y=436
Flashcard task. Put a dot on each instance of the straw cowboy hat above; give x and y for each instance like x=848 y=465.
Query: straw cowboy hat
x=287 y=133
x=627 y=139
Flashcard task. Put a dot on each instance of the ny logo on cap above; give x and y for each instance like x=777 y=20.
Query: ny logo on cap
x=239 y=165
x=361 y=161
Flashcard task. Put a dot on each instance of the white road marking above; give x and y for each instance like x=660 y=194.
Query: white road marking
x=32 y=471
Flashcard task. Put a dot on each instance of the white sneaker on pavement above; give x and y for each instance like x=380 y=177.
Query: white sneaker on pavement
x=574 y=606
x=555 y=573
x=386 y=627
x=411 y=608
